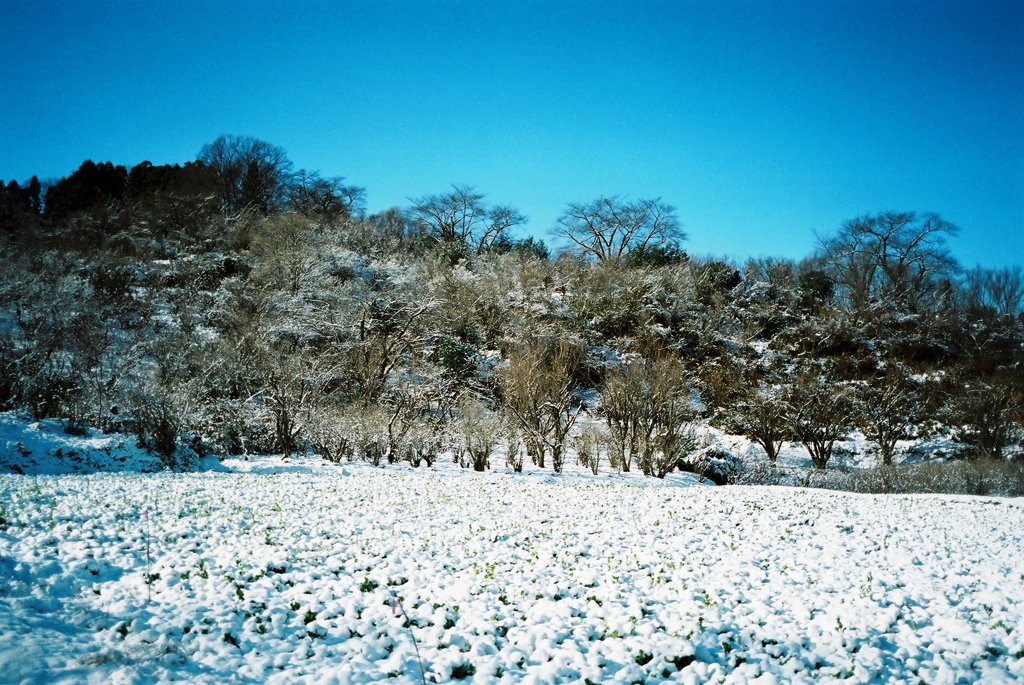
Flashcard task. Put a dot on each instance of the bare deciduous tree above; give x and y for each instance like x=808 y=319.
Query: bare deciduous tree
x=891 y=257
x=626 y=406
x=538 y=394
x=765 y=416
x=824 y=412
x=991 y=416
x=327 y=198
x=889 y=412
x=609 y=228
x=461 y=216
x=480 y=430
x=1000 y=291
x=251 y=173
x=385 y=332
x=590 y=444
x=647 y=406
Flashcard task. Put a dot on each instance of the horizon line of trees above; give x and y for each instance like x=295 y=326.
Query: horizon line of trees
x=232 y=304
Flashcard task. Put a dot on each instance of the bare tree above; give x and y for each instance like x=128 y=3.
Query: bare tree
x=327 y=198
x=290 y=388
x=538 y=395
x=991 y=417
x=889 y=412
x=891 y=257
x=461 y=216
x=480 y=430
x=1000 y=291
x=765 y=416
x=647 y=406
x=609 y=228
x=251 y=173
x=626 y=406
x=824 y=412
x=384 y=333
x=589 y=444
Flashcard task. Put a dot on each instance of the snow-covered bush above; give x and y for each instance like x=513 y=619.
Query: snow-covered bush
x=159 y=417
x=515 y=451
x=591 y=444
x=889 y=412
x=330 y=434
x=538 y=393
x=481 y=431
x=717 y=465
x=1005 y=479
x=765 y=416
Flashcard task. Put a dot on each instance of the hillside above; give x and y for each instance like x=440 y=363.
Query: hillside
x=206 y=312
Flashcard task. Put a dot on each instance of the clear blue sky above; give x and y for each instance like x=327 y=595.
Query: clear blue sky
x=762 y=122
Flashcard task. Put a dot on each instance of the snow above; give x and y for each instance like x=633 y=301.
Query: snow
x=266 y=571
x=51 y=447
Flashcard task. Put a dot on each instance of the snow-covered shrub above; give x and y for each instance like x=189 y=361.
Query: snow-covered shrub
x=538 y=393
x=480 y=430
x=330 y=434
x=889 y=412
x=616 y=302
x=672 y=444
x=761 y=473
x=717 y=465
x=985 y=477
x=423 y=440
x=234 y=426
x=721 y=384
x=368 y=428
x=159 y=417
x=590 y=444
x=515 y=452
x=765 y=416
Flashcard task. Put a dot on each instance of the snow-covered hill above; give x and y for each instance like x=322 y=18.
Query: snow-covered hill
x=310 y=572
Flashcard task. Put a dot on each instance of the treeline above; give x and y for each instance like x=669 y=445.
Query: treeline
x=233 y=305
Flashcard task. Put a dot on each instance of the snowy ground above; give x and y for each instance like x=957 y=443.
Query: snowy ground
x=264 y=571
x=308 y=572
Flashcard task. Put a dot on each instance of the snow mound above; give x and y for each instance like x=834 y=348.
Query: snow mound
x=51 y=447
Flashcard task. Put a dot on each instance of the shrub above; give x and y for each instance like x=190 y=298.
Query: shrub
x=990 y=416
x=538 y=393
x=480 y=431
x=515 y=452
x=647 y=406
x=589 y=444
x=160 y=416
x=766 y=417
x=717 y=465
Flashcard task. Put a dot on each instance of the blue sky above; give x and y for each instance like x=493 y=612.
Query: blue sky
x=763 y=123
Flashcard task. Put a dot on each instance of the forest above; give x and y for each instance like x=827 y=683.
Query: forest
x=234 y=305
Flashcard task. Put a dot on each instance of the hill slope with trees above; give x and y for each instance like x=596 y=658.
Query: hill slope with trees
x=234 y=305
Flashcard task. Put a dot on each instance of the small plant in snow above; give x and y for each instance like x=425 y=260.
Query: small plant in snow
x=463 y=671
x=396 y=605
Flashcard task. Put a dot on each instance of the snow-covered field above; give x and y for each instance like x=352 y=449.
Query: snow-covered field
x=308 y=572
